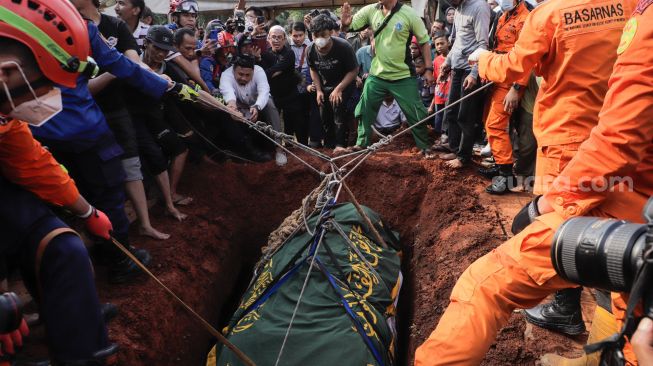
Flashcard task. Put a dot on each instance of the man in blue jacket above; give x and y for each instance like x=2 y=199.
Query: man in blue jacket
x=81 y=140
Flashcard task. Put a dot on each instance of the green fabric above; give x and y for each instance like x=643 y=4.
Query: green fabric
x=322 y=332
x=391 y=45
x=528 y=100
x=407 y=96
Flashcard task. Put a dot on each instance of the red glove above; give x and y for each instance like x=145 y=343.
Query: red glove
x=98 y=224
x=15 y=338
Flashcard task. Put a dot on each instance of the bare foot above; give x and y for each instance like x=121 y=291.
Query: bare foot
x=449 y=156
x=454 y=164
x=175 y=213
x=153 y=233
x=339 y=150
x=181 y=200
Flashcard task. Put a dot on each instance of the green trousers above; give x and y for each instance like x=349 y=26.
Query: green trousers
x=407 y=96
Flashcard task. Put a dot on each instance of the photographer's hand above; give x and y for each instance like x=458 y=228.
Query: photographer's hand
x=642 y=342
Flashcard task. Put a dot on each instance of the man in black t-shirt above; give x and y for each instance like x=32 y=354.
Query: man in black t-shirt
x=333 y=69
x=108 y=93
x=279 y=65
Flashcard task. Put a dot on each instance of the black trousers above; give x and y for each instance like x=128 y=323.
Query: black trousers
x=463 y=119
x=293 y=116
x=526 y=145
x=336 y=120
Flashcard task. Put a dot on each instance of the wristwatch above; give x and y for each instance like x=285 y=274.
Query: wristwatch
x=428 y=68
x=517 y=86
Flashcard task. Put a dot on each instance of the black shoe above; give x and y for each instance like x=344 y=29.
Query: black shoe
x=109 y=311
x=500 y=185
x=124 y=269
x=562 y=315
x=104 y=357
x=490 y=172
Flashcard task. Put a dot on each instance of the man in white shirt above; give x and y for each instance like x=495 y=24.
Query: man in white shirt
x=390 y=117
x=245 y=89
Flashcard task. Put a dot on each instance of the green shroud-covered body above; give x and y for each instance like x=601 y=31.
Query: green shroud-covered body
x=323 y=332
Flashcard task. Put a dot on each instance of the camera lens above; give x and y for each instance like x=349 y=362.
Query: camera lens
x=602 y=253
x=10 y=312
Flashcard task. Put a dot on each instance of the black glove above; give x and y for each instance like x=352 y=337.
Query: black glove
x=525 y=216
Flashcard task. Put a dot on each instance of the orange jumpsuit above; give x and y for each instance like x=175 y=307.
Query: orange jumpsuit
x=574 y=52
x=496 y=124
x=24 y=162
x=571 y=45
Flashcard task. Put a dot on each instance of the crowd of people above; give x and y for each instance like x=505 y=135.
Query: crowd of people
x=125 y=122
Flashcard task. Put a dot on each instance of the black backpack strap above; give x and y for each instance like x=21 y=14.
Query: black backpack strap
x=396 y=8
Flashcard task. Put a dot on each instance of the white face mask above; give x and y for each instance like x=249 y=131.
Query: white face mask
x=321 y=42
x=38 y=110
x=506 y=5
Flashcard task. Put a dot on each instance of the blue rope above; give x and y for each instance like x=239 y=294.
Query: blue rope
x=350 y=312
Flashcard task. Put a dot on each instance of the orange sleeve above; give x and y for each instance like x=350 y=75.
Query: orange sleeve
x=624 y=132
x=26 y=163
x=533 y=44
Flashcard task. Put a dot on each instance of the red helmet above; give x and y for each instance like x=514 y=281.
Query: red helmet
x=54 y=32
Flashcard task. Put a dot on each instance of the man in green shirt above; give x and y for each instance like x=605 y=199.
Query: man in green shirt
x=392 y=70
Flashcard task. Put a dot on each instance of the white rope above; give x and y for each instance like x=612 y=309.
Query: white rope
x=388 y=139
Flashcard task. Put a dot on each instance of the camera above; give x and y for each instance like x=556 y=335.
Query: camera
x=602 y=253
x=613 y=255
x=10 y=312
x=240 y=20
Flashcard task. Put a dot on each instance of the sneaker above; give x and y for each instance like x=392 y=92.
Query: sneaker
x=280 y=158
x=486 y=151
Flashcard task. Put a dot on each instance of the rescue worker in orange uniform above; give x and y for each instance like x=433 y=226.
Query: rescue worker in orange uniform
x=37 y=52
x=561 y=40
x=504 y=98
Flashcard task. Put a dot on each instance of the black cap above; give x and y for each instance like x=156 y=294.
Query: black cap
x=161 y=37
x=245 y=39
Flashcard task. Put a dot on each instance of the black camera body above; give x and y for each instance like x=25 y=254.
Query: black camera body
x=613 y=255
x=240 y=21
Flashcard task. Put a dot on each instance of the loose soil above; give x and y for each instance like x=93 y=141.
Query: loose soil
x=444 y=221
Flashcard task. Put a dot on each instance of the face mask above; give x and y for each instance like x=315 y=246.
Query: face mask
x=321 y=42
x=506 y=5
x=38 y=110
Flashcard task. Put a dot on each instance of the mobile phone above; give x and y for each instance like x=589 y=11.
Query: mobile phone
x=315 y=13
x=260 y=19
x=214 y=34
